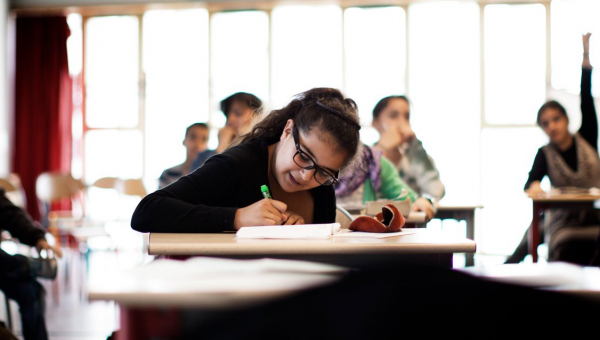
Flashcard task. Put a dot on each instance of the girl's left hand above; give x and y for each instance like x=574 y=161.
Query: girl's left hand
x=293 y=218
x=424 y=205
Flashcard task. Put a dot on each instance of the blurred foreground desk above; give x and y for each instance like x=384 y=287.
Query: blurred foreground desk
x=555 y=276
x=153 y=299
x=423 y=247
x=545 y=201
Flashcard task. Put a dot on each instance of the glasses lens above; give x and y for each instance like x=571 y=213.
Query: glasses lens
x=302 y=160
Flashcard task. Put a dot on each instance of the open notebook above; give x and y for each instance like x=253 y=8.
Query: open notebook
x=305 y=231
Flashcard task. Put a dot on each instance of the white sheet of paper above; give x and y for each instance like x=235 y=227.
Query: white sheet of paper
x=303 y=231
x=350 y=233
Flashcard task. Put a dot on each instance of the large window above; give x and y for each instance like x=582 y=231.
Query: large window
x=444 y=86
x=375 y=56
x=239 y=58
x=307 y=50
x=175 y=64
x=515 y=63
x=113 y=142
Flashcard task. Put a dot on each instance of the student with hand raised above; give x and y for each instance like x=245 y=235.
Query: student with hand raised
x=569 y=160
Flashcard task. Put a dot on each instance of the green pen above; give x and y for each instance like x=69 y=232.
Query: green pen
x=265 y=191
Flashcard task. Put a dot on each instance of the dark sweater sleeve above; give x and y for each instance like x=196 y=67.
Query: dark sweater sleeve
x=200 y=202
x=538 y=170
x=14 y=220
x=589 y=121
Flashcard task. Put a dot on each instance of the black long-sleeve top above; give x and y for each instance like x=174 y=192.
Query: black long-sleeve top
x=588 y=130
x=206 y=200
x=14 y=220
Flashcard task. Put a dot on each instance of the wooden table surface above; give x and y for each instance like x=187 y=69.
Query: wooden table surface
x=224 y=244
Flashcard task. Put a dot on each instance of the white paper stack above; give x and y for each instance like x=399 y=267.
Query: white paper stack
x=302 y=231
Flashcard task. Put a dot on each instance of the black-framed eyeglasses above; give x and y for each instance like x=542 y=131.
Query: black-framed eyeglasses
x=304 y=161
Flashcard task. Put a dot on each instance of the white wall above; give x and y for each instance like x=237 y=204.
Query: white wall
x=4 y=97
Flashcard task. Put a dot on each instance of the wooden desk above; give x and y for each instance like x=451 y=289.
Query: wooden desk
x=461 y=213
x=545 y=201
x=424 y=246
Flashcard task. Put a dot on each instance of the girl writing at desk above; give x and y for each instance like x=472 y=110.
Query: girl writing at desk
x=568 y=161
x=298 y=151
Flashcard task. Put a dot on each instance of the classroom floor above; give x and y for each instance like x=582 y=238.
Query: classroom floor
x=72 y=317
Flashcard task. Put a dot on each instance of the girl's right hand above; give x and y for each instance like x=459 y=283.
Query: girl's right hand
x=390 y=138
x=264 y=212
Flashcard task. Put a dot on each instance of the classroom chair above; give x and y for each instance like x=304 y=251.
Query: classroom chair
x=11 y=183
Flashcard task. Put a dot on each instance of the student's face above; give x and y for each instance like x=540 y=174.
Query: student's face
x=555 y=125
x=318 y=146
x=396 y=113
x=239 y=116
x=196 y=140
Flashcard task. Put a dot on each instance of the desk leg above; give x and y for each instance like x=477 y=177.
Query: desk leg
x=470 y=219
x=534 y=234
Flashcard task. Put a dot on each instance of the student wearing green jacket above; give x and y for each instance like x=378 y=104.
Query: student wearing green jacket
x=378 y=178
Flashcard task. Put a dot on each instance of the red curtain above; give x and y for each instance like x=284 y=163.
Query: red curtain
x=42 y=139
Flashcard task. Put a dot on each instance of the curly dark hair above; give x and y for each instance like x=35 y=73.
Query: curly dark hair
x=323 y=108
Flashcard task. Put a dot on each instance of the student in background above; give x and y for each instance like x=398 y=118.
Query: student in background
x=17 y=279
x=195 y=141
x=391 y=118
x=240 y=109
x=568 y=161
x=297 y=151
x=376 y=177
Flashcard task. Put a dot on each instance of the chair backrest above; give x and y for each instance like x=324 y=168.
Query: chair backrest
x=51 y=187
x=343 y=217
x=106 y=183
x=11 y=184
x=132 y=187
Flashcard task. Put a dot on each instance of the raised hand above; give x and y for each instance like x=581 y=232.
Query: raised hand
x=264 y=212
x=391 y=137
x=586 y=42
x=226 y=136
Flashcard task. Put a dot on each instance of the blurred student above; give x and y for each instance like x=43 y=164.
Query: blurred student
x=195 y=141
x=297 y=151
x=239 y=109
x=17 y=279
x=391 y=118
x=375 y=178
x=568 y=161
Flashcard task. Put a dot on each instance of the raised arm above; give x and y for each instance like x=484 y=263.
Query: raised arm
x=589 y=120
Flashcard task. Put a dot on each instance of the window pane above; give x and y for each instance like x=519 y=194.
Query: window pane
x=375 y=55
x=444 y=85
x=507 y=158
x=113 y=153
x=570 y=19
x=515 y=63
x=239 y=57
x=307 y=50
x=112 y=72
x=75 y=43
x=175 y=54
